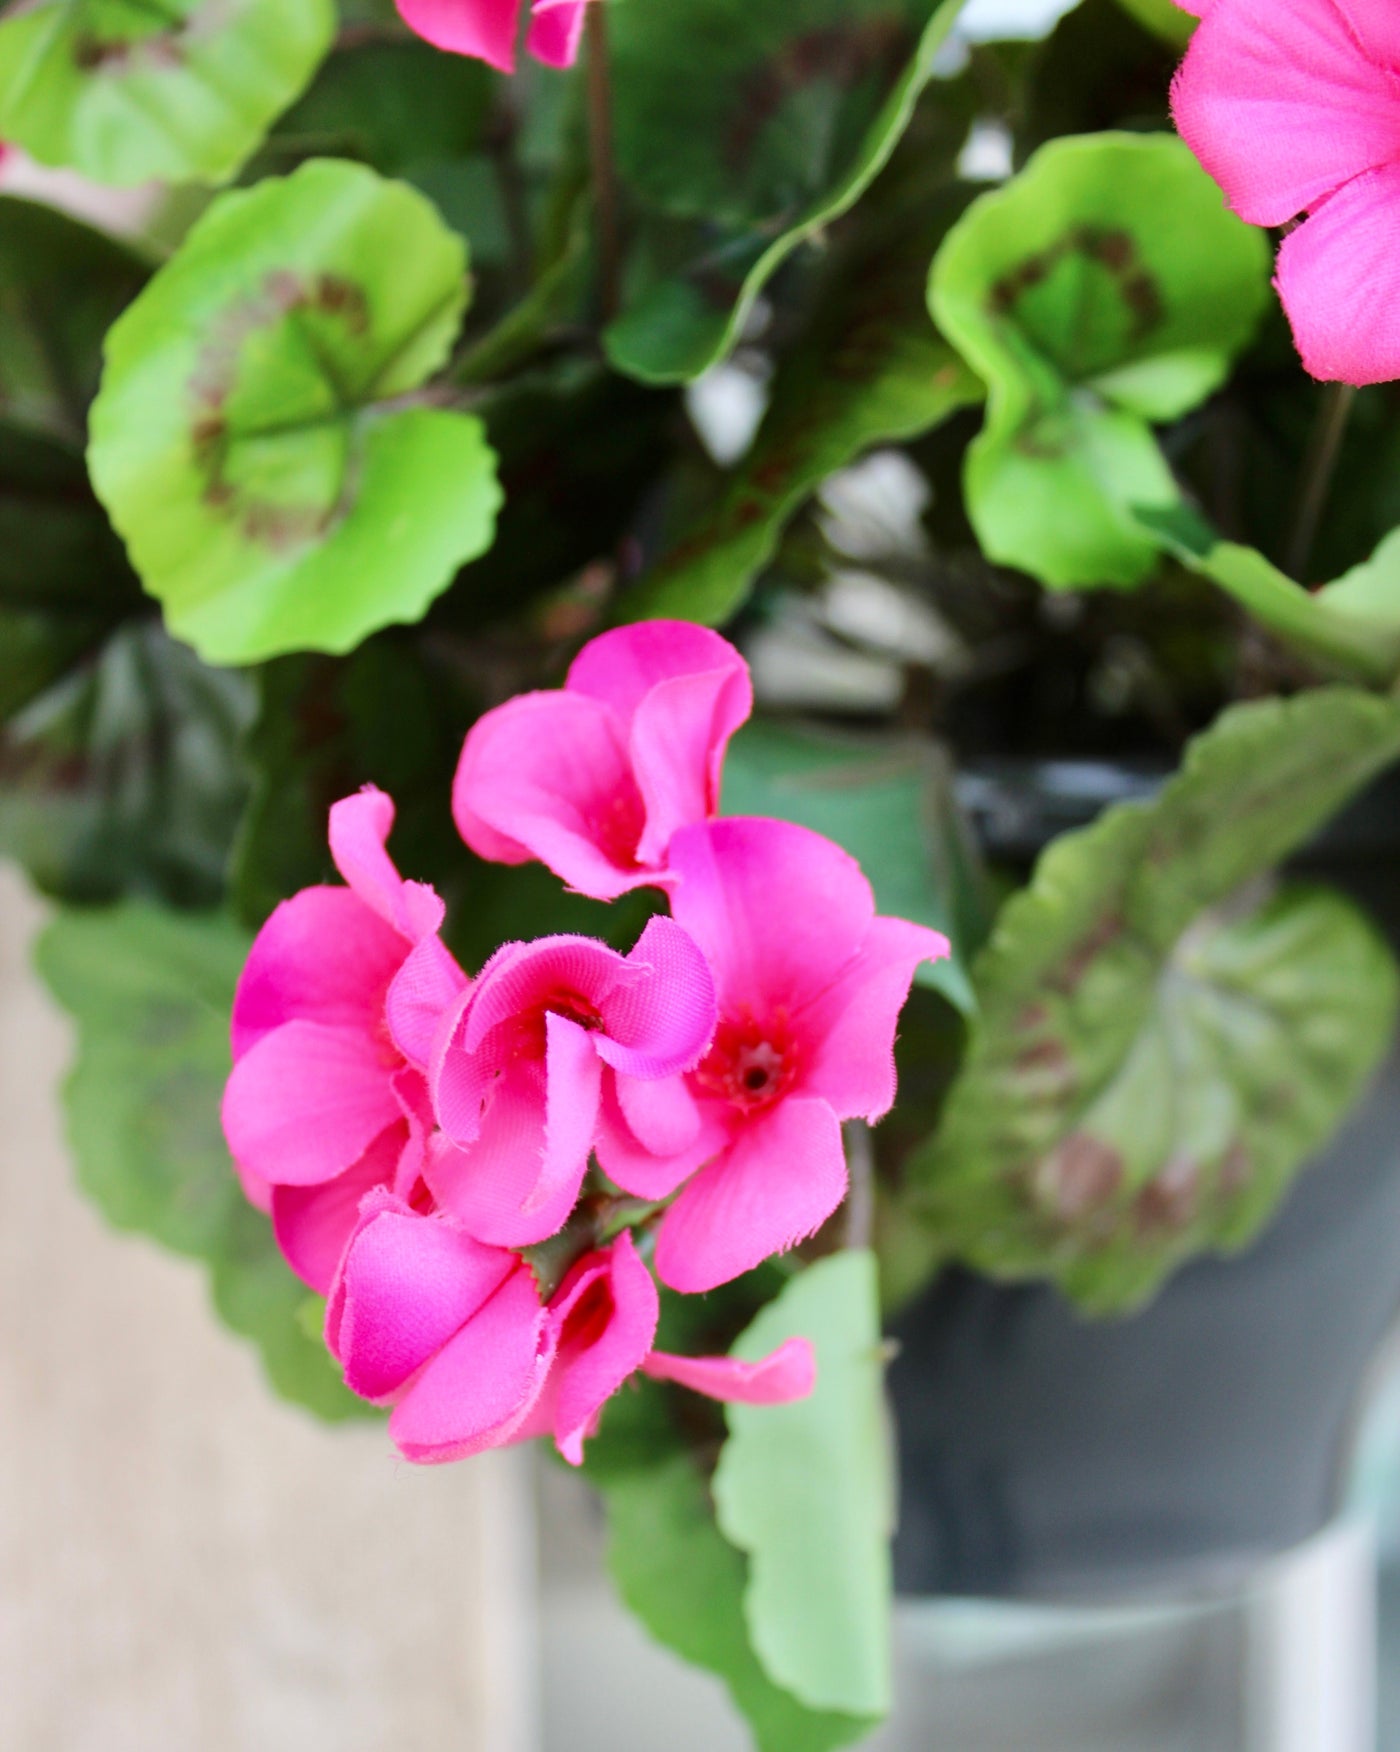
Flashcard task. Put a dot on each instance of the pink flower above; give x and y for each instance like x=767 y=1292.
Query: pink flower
x=487 y=29
x=810 y=984
x=453 y=1334
x=1293 y=106
x=322 y=1104
x=595 y=778
x=523 y=1061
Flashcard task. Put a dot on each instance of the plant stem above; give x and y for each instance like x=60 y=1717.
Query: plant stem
x=860 y=1202
x=1319 y=467
x=600 y=145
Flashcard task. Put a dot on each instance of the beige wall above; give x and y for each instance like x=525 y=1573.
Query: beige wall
x=185 y=1563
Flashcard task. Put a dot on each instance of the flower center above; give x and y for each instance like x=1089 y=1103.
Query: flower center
x=750 y=1063
x=531 y=1038
x=618 y=824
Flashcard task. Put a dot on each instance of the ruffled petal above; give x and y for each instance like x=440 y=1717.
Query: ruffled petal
x=306 y=1102
x=407 y=1285
x=848 y=1031
x=359 y=833
x=662 y=1115
x=484 y=29
x=487 y=1187
x=605 y=1315
x=573 y=1078
x=479 y=1388
x=1282 y=106
x=425 y=988
x=660 y=1023
x=323 y=956
x=547 y=776
x=788 y=1373
x=645 y=1173
x=524 y=977
x=1339 y=278
x=778 y=1182
x=555 y=29
x=313 y=1224
x=777 y=910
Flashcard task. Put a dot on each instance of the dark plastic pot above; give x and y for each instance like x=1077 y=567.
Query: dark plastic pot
x=1043 y=1454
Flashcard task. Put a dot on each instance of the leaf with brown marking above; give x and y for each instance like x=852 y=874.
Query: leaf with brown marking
x=251 y=440
x=1163 y=1038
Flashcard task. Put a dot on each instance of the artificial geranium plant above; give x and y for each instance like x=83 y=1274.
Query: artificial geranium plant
x=357 y=485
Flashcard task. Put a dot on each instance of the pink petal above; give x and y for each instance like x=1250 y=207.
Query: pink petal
x=661 y=1022
x=484 y=29
x=681 y=691
x=409 y=1283
x=555 y=30
x=306 y=1102
x=1339 y=278
x=488 y=1186
x=663 y=1116
x=1376 y=26
x=323 y=956
x=778 y=1182
x=313 y=1224
x=573 y=1078
x=547 y=776
x=848 y=1031
x=777 y=910
x=788 y=1373
x=523 y=977
x=359 y=832
x=460 y=1081
x=425 y=988
x=605 y=1315
x=256 y=1190
x=1281 y=105
x=645 y=1173
x=479 y=1388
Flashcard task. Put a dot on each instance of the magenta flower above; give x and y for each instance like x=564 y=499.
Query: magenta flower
x=524 y=1059
x=322 y=1104
x=594 y=778
x=1293 y=106
x=453 y=1334
x=810 y=984
x=487 y=29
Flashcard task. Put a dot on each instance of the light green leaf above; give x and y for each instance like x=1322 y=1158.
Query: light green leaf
x=250 y=440
x=745 y=131
x=870 y=371
x=1350 y=627
x=806 y=1490
x=126 y=91
x=1163 y=1041
x=150 y=992
x=1106 y=287
x=887 y=803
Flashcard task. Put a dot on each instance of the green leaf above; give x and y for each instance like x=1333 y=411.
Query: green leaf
x=127 y=91
x=870 y=371
x=150 y=992
x=1164 y=18
x=62 y=285
x=1350 y=627
x=250 y=440
x=886 y=801
x=1161 y=1041
x=127 y=776
x=783 y=118
x=1106 y=287
x=806 y=1490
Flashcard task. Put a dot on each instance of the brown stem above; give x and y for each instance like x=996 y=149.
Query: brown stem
x=860 y=1201
x=1319 y=468
x=600 y=145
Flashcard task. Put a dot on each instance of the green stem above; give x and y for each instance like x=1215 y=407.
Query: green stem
x=600 y=144
x=1319 y=468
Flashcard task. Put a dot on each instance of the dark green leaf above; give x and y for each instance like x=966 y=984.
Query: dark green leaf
x=1161 y=1043
x=250 y=440
x=150 y=992
x=745 y=131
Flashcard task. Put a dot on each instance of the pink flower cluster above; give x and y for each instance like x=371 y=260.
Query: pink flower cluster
x=1293 y=106
x=412 y=1130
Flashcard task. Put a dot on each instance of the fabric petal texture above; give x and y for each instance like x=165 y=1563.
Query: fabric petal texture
x=1339 y=278
x=778 y=1182
x=605 y=1315
x=788 y=1373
